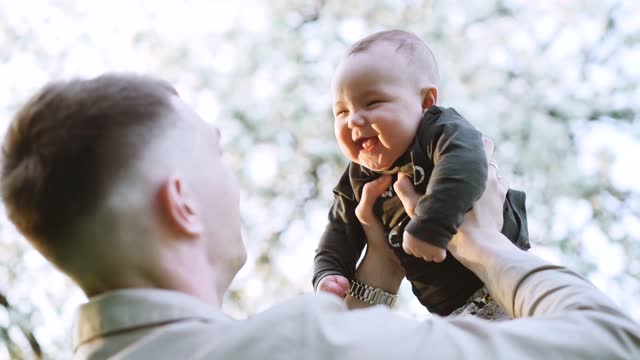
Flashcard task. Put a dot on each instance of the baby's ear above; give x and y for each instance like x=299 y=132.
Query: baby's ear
x=429 y=97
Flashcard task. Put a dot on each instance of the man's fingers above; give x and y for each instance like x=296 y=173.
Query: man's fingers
x=407 y=193
x=503 y=183
x=488 y=148
x=370 y=193
x=372 y=190
x=493 y=172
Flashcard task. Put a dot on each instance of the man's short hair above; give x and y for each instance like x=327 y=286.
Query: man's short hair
x=67 y=145
x=406 y=43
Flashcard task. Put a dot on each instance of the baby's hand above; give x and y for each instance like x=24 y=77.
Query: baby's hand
x=421 y=249
x=411 y=245
x=334 y=284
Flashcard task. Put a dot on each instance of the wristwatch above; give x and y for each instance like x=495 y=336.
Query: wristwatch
x=371 y=295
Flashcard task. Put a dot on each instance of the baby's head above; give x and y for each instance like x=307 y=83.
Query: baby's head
x=381 y=88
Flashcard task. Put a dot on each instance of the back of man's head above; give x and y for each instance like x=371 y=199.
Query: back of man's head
x=67 y=147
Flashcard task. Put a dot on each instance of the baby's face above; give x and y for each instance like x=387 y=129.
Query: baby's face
x=377 y=107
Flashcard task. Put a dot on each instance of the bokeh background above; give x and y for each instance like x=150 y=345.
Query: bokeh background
x=553 y=82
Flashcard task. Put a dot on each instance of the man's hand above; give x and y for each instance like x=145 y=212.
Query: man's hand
x=334 y=284
x=380 y=267
x=411 y=245
x=372 y=226
x=370 y=193
x=482 y=225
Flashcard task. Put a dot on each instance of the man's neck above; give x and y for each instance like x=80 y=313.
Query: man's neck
x=196 y=280
x=192 y=279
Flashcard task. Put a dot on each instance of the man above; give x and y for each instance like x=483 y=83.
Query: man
x=120 y=184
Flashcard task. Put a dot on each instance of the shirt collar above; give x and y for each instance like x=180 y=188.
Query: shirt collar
x=130 y=309
x=360 y=175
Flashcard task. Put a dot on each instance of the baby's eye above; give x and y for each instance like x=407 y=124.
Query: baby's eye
x=374 y=102
x=340 y=112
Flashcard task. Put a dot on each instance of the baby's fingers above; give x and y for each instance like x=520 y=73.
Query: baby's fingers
x=334 y=285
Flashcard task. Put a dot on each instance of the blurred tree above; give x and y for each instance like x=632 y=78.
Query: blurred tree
x=16 y=331
x=554 y=84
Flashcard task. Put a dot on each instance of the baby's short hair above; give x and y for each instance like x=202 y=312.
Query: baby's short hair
x=408 y=44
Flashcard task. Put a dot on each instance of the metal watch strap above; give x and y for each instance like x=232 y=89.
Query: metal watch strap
x=371 y=295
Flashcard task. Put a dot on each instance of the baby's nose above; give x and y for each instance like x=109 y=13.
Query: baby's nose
x=355 y=120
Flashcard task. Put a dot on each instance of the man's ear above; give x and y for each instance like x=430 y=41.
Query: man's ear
x=429 y=97
x=178 y=209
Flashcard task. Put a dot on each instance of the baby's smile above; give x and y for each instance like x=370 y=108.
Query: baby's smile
x=367 y=144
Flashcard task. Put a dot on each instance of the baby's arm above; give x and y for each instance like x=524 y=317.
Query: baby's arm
x=457 y=181
x=410 y=244
x=341 y=244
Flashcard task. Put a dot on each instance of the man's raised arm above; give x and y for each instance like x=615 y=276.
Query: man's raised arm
x=558 y=314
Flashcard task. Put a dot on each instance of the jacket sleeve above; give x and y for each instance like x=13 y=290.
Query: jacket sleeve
x=458 y=179
x=343 y=239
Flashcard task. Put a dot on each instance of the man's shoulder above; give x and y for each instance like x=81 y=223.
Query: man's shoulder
x=304 y=305
x=263 y=335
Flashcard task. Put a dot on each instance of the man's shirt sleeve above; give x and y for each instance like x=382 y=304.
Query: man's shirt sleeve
x=559 y=316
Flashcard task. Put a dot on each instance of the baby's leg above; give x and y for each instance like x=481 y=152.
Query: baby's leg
x=515 y=219
x=482 y=305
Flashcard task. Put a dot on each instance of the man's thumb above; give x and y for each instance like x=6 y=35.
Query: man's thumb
x=406 y=192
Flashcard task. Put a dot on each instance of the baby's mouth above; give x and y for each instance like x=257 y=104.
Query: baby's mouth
x=367 y=144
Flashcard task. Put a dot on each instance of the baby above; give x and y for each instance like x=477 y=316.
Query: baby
x=385 y=92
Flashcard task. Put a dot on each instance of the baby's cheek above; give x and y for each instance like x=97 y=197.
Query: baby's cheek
x=348 y=148
x=339 y=131
x=343 y=136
